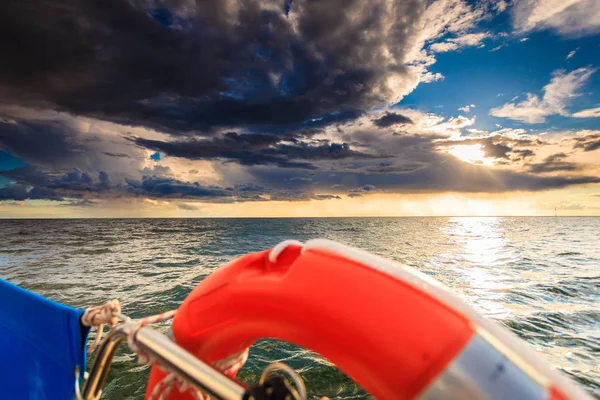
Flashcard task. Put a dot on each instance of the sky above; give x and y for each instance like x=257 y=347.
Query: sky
x=248 y=108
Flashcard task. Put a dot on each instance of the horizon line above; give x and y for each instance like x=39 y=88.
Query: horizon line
x=311 y=217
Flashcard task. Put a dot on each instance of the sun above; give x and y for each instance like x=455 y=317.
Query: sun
x=470 y=153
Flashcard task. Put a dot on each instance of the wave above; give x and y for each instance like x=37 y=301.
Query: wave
x=15 y=251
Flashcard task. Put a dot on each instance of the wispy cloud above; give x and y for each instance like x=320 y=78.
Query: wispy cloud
x=589 y=113
x=467 y=40
x=557 y=96
x=466 y=108
x=567 y=17
x=571 y=54
x=446 y=25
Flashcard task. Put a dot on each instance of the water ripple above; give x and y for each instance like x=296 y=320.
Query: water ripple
x=537 y=276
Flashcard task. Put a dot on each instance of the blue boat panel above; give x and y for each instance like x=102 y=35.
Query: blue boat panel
x=41 y=343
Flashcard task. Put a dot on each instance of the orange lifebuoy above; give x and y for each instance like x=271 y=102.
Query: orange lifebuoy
x=396 y=332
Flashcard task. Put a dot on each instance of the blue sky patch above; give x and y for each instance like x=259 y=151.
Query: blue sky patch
x=8 y=161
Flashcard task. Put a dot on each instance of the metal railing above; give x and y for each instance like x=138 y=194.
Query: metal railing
x=199 y=374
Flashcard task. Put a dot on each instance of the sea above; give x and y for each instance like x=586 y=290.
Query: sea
x=537 y=276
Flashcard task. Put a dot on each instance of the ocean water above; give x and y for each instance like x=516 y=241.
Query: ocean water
x=540 y=277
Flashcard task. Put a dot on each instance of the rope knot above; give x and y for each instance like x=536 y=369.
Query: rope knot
x=98 y=317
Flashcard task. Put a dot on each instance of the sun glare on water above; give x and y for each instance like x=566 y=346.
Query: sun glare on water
x=470 y=153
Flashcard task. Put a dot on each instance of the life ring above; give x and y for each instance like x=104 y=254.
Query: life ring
x=397 y=332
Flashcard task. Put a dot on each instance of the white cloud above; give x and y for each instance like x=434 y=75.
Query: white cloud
x=429 y=123
x=466 y=108
x=466 y=40
x=471 y=39
x=568 y=17
x=428 y=77
x=451 y=127
x=443 y=47
x=589 y=113
x=571 y=54
x=442 y=19
x=509 y=132
x=524 y=39
x=500 y=6
x=450 y=17
x=557 y=96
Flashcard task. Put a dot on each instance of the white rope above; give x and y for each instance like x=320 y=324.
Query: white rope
x=110 y=313
x=144 y=358
x=99 y=316
x=165 y=385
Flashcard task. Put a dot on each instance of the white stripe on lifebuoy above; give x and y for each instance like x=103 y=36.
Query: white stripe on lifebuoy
x=503 y=340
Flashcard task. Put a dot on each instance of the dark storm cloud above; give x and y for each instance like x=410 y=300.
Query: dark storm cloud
x=165 y=187
x=103 y=180
x=42 y=142
x=298 y=195
x=34 y=183
x=553 y=163
x=587 y=143
x=521 y=154
x=79 y=203
x=58 y=144
x=359 y=191
x=443 y=173
x=390 y=119
x=491 y=146
x=44 y=193
x=156 y=186
x=326 y=197
x=81 y=182
x=118 y=155
x=496 y=150
x=192 y=67
x=16 y=192
x=246 y=187
x=21 y=192
x=389 y=167
x=208 y=149
x=401 y=152
x=255 y=149
x=365 y=188
x=27 y=175
x=187 y=207
x=278 y=71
